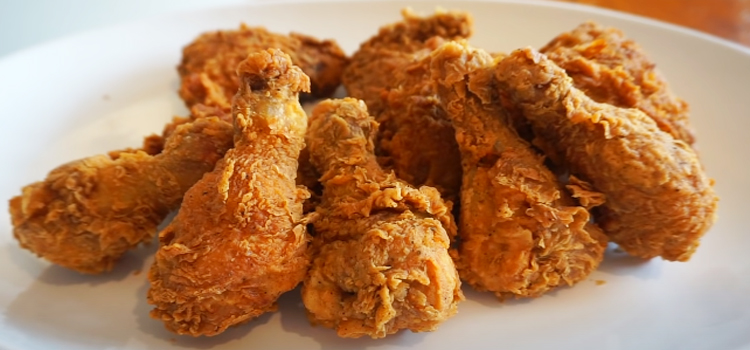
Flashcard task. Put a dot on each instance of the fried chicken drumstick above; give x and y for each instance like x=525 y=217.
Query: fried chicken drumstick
x=415 y=138
x=207 y=70
x=89 y=212
x=659 y=201
x=381 y=261
x=238 y=241
x=610 y=68
x=520 y=233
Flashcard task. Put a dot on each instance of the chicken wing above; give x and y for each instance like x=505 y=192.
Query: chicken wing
x=610 y=68
x=520 y=233
x=381 y=261
x=207 y=70
x=239 y=241
x=87 y=213
x=659 y=201
x=415 y=139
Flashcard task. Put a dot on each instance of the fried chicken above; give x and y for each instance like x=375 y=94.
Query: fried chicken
x=372 y=68
x=208 y=66
x=308 y=176
x=520 y=233
x=610 y=68
x=381 y=261
x=659 y=201
x=415 y=138
x=89 y=212
x=239 y=240
x=207 y=70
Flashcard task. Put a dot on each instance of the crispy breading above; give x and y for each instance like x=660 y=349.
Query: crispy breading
x=611 y=68
x=381 y=260
x=378 y=60
x=239 y=241
x=520 y=233
x=89 y=212
x=658 y=200
x=208 y=68
x=415 y=138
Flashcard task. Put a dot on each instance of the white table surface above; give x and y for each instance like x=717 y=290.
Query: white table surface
x=25 y=23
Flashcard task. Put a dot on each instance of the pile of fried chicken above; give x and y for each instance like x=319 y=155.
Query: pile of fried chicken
x=543 y=156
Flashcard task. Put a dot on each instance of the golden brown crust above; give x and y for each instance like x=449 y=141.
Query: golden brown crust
x=415 y=139
x=519 y=232
x=87 y=213
x=239 y=241
x=371 y=70
x=381 y=246
x=659 y=201
x=308 y=176
x=209 y=63
x=610 y=68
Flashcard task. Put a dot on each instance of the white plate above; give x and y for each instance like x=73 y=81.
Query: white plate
x=106 y=89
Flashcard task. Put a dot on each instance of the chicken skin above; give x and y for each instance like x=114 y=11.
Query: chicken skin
x=658 y=200
x=520 y=233
x=239 y=240
x=610 y=68
x=415 y=138
x=86 y=214
x=381 y=260
x=207 y=70
x=372 y=68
